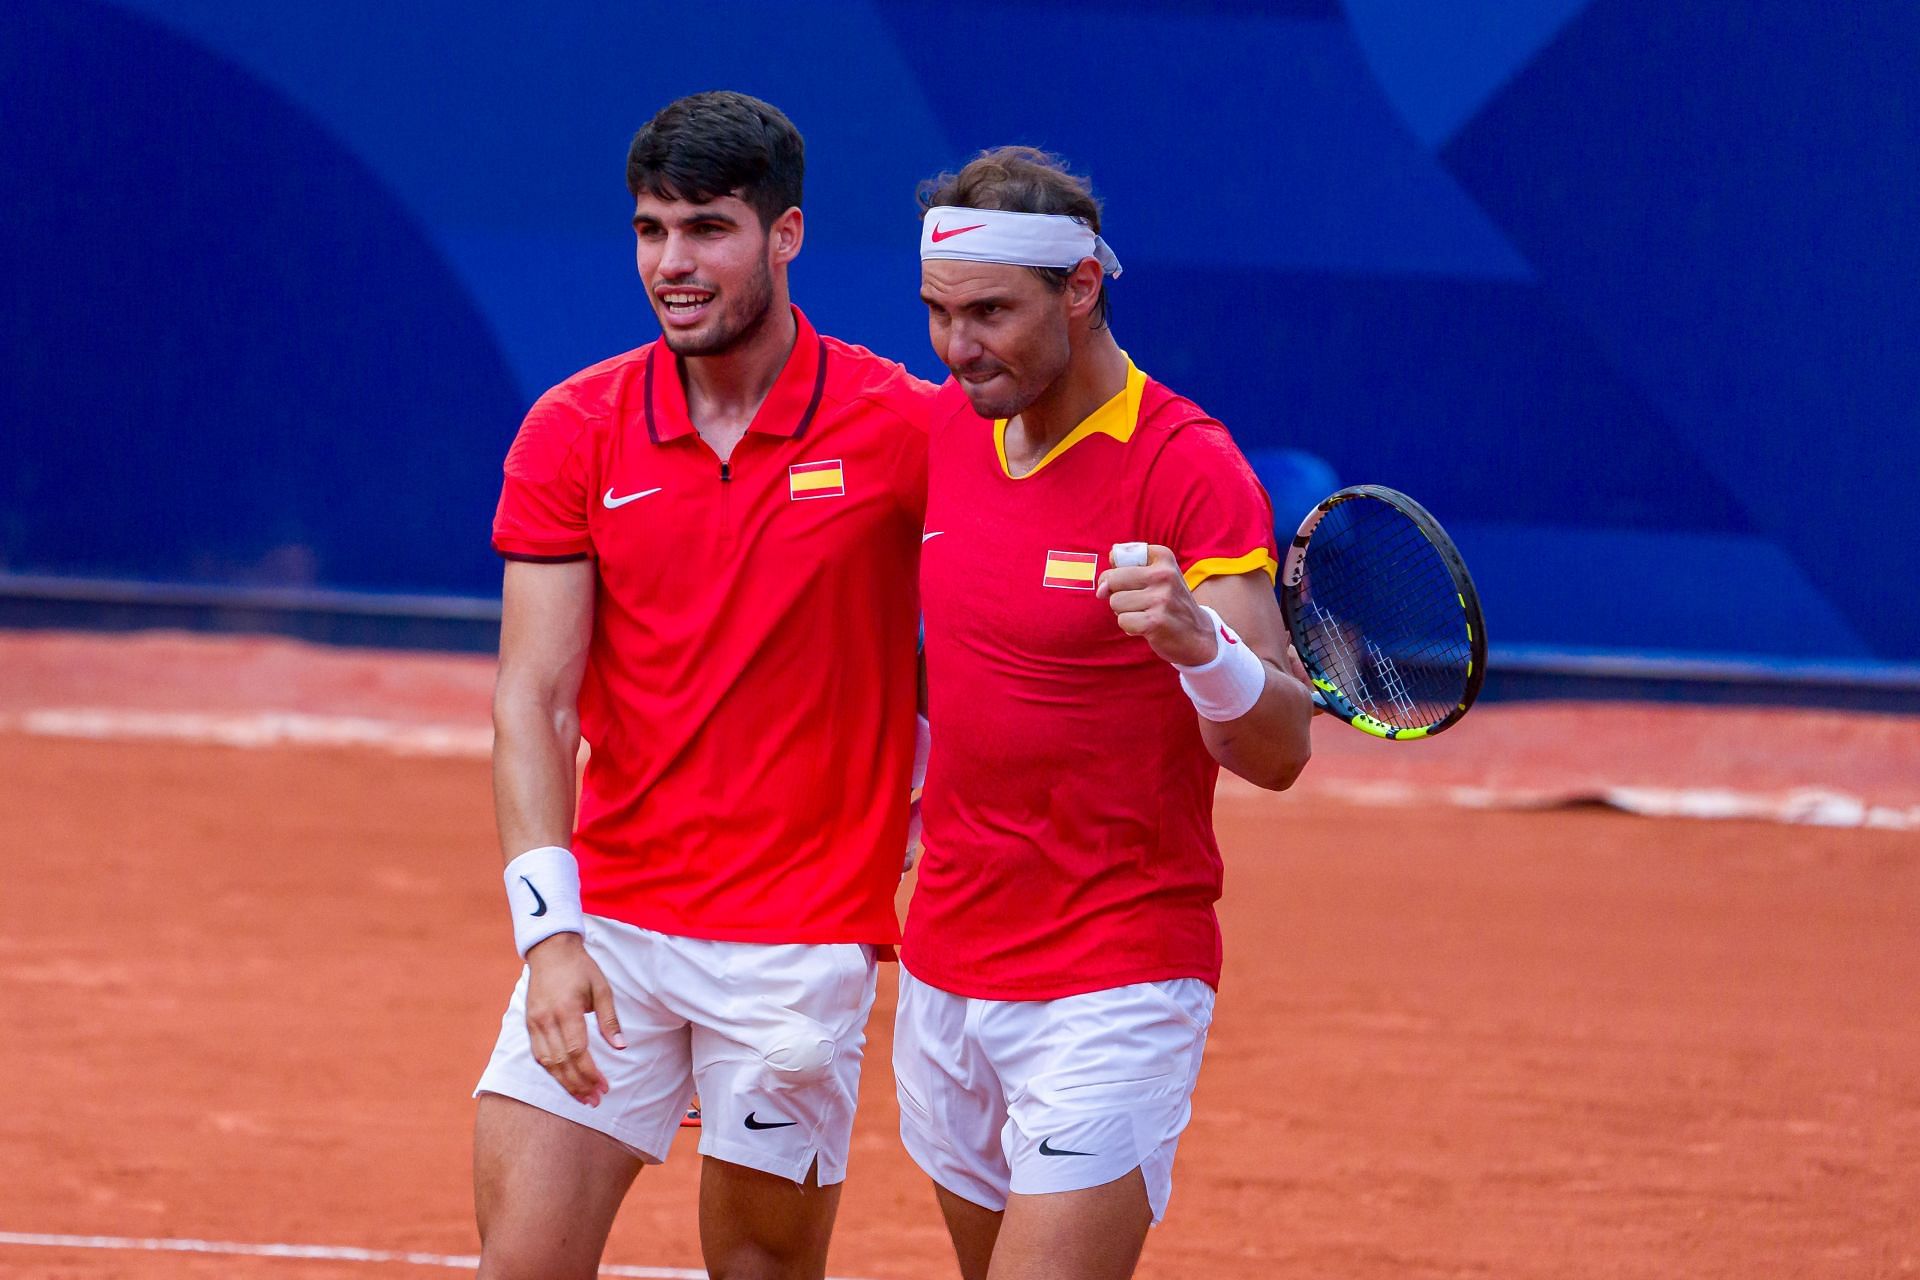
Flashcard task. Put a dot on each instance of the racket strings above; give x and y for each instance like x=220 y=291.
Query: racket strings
x=1381 y=616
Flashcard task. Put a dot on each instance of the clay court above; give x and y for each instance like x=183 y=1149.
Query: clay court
x=1475 y=1021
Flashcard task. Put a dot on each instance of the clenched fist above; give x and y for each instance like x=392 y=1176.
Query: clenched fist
x=1152 y=601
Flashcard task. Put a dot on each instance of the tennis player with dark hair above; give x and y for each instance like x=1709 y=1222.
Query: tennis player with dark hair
x=1061 y=948
x=711 y=547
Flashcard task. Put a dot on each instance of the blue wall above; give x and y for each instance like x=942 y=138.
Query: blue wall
x=1627 y=291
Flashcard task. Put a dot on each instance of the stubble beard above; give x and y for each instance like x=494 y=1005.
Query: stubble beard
x=738 y=323
x=1014 y=401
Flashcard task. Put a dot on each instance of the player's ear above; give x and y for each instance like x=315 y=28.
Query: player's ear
x=785 y=235
x=1083 y=288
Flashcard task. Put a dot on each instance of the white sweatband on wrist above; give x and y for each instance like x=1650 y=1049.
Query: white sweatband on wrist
x=922 y=748
x=1226 y=686
x=543 y=892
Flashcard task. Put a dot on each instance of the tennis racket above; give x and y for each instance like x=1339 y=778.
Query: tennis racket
x=1380 y=607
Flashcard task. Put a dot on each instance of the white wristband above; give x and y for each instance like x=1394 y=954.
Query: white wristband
x=1226 y=686
x=543 y=892
x=922 y=748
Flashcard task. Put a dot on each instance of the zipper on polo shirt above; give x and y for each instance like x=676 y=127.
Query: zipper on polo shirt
x=726 y=505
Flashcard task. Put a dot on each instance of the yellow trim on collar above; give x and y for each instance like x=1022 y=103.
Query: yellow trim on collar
x=1224 y=567
x=1116 y=418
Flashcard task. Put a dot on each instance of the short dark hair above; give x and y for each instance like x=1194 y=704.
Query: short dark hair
x=1021 y=180
x=720 y=143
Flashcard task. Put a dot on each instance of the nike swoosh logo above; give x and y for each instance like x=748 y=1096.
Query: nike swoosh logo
x=614 y=503
x=1227 y=636
x=536 y=896
x=769 y=1124
x=927 y=537
x=939 y=234
x=1046 y=1150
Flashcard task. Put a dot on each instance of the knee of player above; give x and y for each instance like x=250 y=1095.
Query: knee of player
x=799 y=1055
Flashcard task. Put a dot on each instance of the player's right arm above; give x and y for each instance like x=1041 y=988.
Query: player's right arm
x=546 y=626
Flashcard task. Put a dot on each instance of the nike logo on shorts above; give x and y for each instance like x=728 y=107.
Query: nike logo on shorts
x=1046 y=1150
x=769 y=1124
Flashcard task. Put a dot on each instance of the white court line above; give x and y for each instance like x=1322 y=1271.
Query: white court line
x=1804 y=806
x=255 y=729
x=1800 y=807
x=327 y=1252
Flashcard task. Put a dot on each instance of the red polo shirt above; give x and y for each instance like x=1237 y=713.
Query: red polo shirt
x=1069 y=799
x=749 y=693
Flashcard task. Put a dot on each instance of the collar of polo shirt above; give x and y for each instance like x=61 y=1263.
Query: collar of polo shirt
x=787 y=410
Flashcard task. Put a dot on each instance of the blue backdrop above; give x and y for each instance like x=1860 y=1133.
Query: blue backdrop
x=1627 y=291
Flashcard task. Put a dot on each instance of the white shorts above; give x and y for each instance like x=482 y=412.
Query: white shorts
x=770 y=1034
x=1036 y=1096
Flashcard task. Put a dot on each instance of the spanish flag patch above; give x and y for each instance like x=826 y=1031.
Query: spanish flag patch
x=816 y=480
x=1071 y=569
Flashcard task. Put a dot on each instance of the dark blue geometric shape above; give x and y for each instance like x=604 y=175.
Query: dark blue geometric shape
x=230 y=355
x=1473 y=396
x=956 y=21
x=1658 y=591
x=1724 y=197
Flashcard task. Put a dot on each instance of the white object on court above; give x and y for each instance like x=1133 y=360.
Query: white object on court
x=1128 y=555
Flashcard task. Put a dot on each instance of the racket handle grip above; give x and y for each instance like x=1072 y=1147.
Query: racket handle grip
x=1128 y=555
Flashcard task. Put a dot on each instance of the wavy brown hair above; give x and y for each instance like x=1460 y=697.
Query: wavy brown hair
x=1021 y=180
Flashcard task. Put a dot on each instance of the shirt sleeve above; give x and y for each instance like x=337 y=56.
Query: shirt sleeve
x=1204 y=502
x=542 y=514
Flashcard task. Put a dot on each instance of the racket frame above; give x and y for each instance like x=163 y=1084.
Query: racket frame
x=1294 y=570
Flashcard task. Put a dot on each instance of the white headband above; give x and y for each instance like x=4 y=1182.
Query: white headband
x=1019 y=239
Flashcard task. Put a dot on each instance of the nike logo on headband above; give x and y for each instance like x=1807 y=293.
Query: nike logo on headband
x=939 y=235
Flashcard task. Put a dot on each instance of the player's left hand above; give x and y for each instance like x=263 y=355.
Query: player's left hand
x=1152 y=601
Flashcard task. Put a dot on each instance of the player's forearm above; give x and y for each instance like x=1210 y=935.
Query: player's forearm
x=535 y=747
x=1270 y=745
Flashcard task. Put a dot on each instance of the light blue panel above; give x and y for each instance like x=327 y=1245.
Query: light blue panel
x=1439 y=63
x=503 y=128
x=1216 y=141
x=500 y=115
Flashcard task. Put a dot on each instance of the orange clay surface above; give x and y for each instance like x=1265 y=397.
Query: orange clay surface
x=245 y=993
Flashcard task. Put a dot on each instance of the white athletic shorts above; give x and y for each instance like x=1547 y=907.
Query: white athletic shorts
x=770 y=1035
x=1035 y=1096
